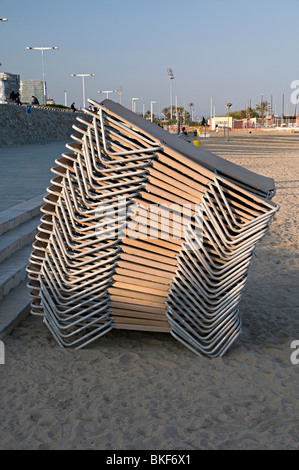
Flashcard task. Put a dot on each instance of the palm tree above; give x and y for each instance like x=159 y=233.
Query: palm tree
x=262 y=109
x=180 y=109
x=166 y=112
x=250 y=113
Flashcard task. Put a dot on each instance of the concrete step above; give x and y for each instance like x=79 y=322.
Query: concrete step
x=18 y=226
x=16 y=238
x=14 y=308
x=13 y=270
x=17 y=215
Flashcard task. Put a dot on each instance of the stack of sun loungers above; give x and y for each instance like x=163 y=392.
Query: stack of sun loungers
x=144 y=231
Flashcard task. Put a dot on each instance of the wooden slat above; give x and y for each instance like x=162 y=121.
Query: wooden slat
x=149 y=255
x=153 y=290
x=148 y=262
x=150 y=302
x=137 y=282
x=137 y=276
x=157 y=329
x=138 y=308
x=147 y=269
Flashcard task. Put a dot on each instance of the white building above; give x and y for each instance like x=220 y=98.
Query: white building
x=31 y=88
x=220 y=121
x=8 y=83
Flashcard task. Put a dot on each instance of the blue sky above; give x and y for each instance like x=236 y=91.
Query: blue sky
x=230 y=51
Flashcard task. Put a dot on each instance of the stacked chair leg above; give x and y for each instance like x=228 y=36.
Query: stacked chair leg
x=213 y=265
x=143 y=231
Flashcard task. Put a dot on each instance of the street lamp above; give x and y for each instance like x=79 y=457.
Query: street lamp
x=152 y=102
x=229 y=105
x=171 y=76
x=120 y=92
x=83 y=75
x=107 y=92
x=134 y=104
x=3 y=19
x=42 y=49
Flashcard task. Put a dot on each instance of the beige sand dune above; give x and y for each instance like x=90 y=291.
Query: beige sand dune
x=140 y=390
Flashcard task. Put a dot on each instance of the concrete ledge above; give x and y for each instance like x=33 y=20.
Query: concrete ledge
x=14 y=308
x=13 y=270
x=16 y=215
x=41 y=126
x=17 y=238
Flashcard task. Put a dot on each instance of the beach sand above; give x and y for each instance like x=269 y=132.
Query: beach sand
x=133 y=390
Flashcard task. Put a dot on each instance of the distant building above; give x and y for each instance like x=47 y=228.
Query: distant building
x=220 y=121
x=246 y=123
x=8 y=83
x=31 y=88
x=269 y=120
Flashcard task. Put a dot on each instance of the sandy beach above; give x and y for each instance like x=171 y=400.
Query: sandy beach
x=133 y=390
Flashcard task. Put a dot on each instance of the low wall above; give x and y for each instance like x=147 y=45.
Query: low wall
x=41 y=126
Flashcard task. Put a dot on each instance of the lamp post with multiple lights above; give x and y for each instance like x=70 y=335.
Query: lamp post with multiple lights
x=171 y=76
x=42 y=49
x=83 y=75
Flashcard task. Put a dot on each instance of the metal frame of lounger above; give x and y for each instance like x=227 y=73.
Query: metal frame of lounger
x=83 y=340
x=221 y=246
x=86 y=258
x=188 y=340
x=201 y=312
x=71 y=222
x=269 y=207
x=205 y=336
x=227 y=239
x=183 y=277
x=200 y=322
x=189 y=306
x=205 y=333
x=213 y=289
x=234 y=233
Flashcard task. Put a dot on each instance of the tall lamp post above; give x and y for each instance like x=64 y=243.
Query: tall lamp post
x=229 y=105
x=83 y=75
x=171 y=76
x=107 y=92
x=134 y=104
x=152 y=102
x=42 y=49
x=120 y=92
x=3 y=19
